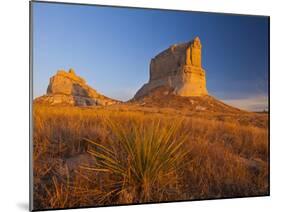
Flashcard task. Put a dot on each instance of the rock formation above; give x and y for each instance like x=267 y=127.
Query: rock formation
x=179 y=68
x=69 y=89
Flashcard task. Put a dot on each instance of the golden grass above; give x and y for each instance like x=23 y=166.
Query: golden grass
x=141 y=156
x=132 y=156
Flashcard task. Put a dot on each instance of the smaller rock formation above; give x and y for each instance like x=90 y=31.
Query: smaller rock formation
x=179 y=68
x=69 y=89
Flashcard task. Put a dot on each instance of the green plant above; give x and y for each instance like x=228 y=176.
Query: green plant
x=143 y=158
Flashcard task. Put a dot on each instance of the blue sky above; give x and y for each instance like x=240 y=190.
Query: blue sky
x=112 y=47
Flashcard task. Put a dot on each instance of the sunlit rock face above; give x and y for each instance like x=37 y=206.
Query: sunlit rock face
x=178 y=67
x=69 y=89
x=69 y=83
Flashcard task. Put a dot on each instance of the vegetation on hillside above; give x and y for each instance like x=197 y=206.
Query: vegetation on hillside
x=101 y=156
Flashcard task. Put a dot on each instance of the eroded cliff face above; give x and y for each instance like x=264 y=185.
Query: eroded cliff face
x=69 y=89
x=178 y=67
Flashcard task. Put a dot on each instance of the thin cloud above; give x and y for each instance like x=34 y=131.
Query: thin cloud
x=258 y=103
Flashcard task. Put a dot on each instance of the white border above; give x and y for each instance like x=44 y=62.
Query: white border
x=14 y=105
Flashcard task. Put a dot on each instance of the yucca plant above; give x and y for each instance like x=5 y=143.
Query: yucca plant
x=142 y=156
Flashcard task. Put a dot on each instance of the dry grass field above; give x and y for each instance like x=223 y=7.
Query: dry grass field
x=134 y=154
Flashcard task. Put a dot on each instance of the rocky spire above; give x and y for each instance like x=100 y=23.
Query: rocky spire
x=179 y=68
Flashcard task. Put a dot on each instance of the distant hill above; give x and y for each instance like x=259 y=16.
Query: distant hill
x=164 y=97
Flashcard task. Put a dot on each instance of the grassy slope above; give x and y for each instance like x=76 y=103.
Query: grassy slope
x=105 y=155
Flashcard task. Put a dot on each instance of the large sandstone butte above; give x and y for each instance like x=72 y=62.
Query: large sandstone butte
x=67 y=88
x=179 y=68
